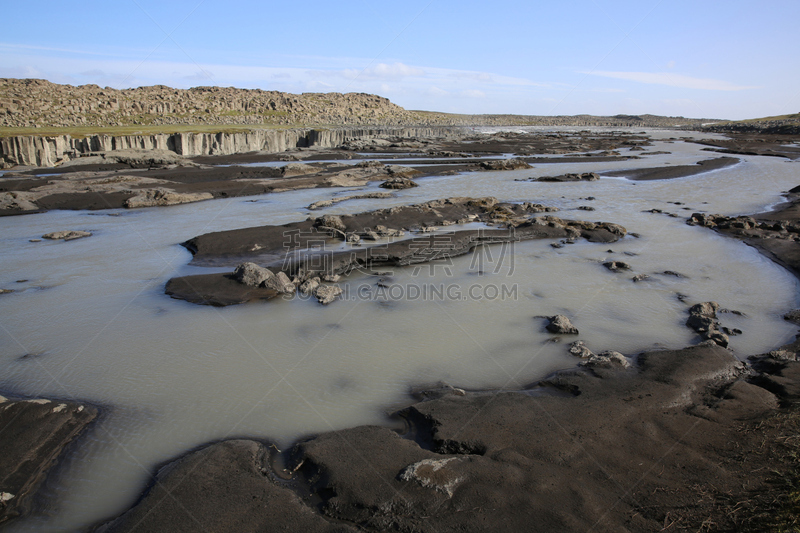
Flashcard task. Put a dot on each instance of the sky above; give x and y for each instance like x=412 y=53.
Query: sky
x=702 y=58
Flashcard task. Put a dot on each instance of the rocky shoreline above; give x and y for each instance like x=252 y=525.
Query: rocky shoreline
x=343 y=158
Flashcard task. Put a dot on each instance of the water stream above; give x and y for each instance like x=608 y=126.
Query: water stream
x=89 y=321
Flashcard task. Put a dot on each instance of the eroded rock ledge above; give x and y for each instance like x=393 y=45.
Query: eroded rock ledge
x=33 y=434
x=596 y=448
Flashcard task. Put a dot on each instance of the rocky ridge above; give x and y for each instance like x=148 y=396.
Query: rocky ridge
x=37 y=103
x=32 y=103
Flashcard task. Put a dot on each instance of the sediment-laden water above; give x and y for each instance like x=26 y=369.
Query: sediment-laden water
x=88 y=319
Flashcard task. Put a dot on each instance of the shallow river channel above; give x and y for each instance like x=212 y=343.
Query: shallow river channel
x=89 y=319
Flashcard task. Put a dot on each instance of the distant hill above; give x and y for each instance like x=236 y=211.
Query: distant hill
x=28 y=105
x=782 y=124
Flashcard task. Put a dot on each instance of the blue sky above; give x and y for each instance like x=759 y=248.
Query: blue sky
x=713 y=59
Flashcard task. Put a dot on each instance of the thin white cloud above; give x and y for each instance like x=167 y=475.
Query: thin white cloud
x=382 y=71
x=473 y=93
x=436 y=91
x=672 y=80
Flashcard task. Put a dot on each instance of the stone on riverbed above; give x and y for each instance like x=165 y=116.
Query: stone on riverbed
x=66 y=235
x=281 y=283
x=398 y=183
x=330 y=221
x=165 y=197
x=327 y=293
x=579 y=349
x=504 y=164
x=309 y=286
x=616 y=266
x=252 y=274
x=560 y=324
x=703 y=320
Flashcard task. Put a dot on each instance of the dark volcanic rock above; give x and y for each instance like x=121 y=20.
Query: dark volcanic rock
x=586 y=176
x=616 y=266
x=504 y=164
x=252 y=274
x=398 y=183
x=703 y=319
x=793 y=316
x=34 y=433
x=224 y=487
x=215 y=289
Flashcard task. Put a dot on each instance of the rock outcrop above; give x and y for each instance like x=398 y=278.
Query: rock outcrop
x=47 y=151
x=398 y=183
x=34 y=433
x=32 y=102
x=251 y=274
x=703 y=320
x=561 y=325
x=164 y=197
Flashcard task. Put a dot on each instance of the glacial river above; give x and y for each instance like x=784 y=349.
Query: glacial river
x=89 y=320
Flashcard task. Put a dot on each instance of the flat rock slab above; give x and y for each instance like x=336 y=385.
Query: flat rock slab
x=224 y=487
x=33 y=433
x=215 y=289
x=671 y=172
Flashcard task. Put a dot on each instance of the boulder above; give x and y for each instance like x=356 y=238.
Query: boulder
x=579 y=349
x=330 y=221
x=398 y=183
x=616 y=266
x=504 y=164
x=327 y=293
x=607 y=359
x=703 y=320
x=252 y=274
x=309 y=286
x=383 y=231
x=281 y=283
x=560 y=324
